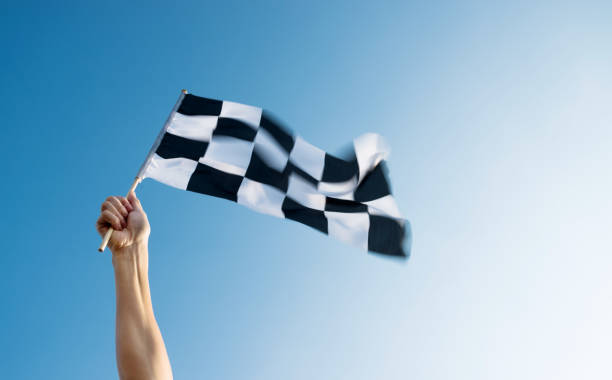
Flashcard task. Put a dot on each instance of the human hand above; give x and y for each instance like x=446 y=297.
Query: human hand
x=127 y=217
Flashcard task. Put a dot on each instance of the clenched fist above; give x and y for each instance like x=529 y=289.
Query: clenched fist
x=127 y=218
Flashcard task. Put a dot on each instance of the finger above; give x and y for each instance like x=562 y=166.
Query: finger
x=135 y=201
x=126 y=204
x=109 y=206
x=119 y=206
x=101 y=225
x=108 y=199
x=112 y=219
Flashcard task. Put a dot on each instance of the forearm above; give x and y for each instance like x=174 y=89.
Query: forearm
x=141 y=353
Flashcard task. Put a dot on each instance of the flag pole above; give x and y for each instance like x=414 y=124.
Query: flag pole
x=145 y=164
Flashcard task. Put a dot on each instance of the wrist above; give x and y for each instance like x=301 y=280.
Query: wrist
x=136 y=253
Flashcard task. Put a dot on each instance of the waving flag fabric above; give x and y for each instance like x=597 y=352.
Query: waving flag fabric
x=240 y=153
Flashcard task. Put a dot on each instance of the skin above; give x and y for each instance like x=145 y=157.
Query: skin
x=141 y=352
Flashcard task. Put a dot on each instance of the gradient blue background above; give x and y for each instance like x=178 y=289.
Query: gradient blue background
x=500 y=121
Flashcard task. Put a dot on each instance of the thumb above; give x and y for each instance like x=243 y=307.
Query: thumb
x=134 y=201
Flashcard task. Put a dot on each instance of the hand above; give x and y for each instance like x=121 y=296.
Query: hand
x=127 y=217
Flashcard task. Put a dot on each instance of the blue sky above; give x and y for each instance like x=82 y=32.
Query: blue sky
x=499 y=119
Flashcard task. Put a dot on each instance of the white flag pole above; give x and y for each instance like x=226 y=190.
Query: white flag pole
x=144 y=165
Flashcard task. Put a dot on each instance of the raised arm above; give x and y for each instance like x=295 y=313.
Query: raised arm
x=141 y=353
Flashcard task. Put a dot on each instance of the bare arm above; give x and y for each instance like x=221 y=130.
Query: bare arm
x=141 y=353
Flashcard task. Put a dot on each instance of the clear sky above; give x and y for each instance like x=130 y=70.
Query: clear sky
x=500 y=121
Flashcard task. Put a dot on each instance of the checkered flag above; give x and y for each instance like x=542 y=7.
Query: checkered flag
x=240 y=153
